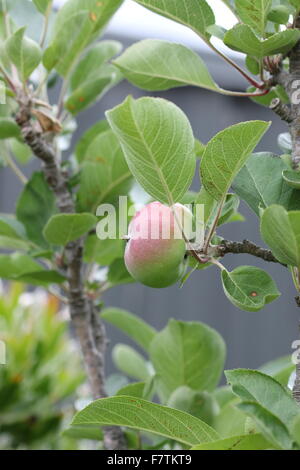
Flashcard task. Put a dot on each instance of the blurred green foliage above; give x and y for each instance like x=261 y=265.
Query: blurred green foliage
x=41 y=374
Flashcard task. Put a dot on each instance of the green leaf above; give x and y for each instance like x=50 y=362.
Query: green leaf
x=192 y=13
x=118 y=274
x=158 y=144
x=64 y=228
x=130 y=362
x=133 y=390
x=252 y=385
x=153 y=64
x=9 y=128
x=133 y=326
x=281 y=231
x=103 y=252
x=145 y=416
x=199 y=404
x=189 y=354
x=242 y=38
x=292 y=178
x=271 y=427
x=249 y=288
x=84 y=432
x=254 y=13
x=260 y=184
x=22 y=268
x=280 y=369
x=279 y=14
x=21 y=151
x=87 y=138
x=12 y=234
x=24 y=53
x=77 y=23
x=92 y=90
x=243 y=442
x=92 y=62
x=42 y=5
x=230 y=421
x=226 y=153
x=35 y=206
x=104 y=174
x=296 y=430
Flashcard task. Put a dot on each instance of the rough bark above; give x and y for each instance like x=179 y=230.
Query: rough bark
x=83 y=312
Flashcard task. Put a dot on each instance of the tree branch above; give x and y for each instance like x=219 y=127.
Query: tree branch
x=84 y=316
x=246 y=247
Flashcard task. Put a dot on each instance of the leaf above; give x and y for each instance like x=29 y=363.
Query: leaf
x=91 y=91
x=281 y=231
x=296 y=429
x=130 y=362
x=24 y=53
x=254 y=13
x=253 y=385
x=133 y=326
x=153 y=64
x=77 y=23
x=259 y=183
x=12 y=234
x=280 y=369
x=92 y=62
x=22 y=268
x=64 y=228
x=87 y=138
x=133 y=390
x=189 y=354
x=158 y=144
x=243 y=442
x=118 y=274
x=84 y=432
x=35 y=206
x=103 y=252
x=249 y=288
x=199 y=404
x=9 y=128
x=292 y=178
x=226 y=153
x=21 y=151
x=192 y=13
x=43 y=5
x=145 y=416
x=271 y=427
x=104 y=174
x=242 y=38
x=230 y=421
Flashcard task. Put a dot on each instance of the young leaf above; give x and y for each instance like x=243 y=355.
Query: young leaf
x=280 y=230
x=280 y=369
x=260 y=184
x=12 y=234
x=42 y=5
x=9 y=128
x=292 y=178
x=77 y=23
x=199 y=404
x=189 y=354
x=254 y=13
x=271 y=427
x=24 y=53
x=249 y=288
x=153 y=64
x=226 y=153
x=104 y=173
x=133 y=326
x=135 y=389
x=64 y=228
x=255 y=386
x=158 y=144
x=130 y=362
x=243 y=442
x=35 y=206
x=87 y=138
x=146 y=416
x=91 y=63
x=242 y=38
x=192 y=13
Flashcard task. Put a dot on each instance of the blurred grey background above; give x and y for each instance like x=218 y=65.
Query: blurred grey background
x=251 y=338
